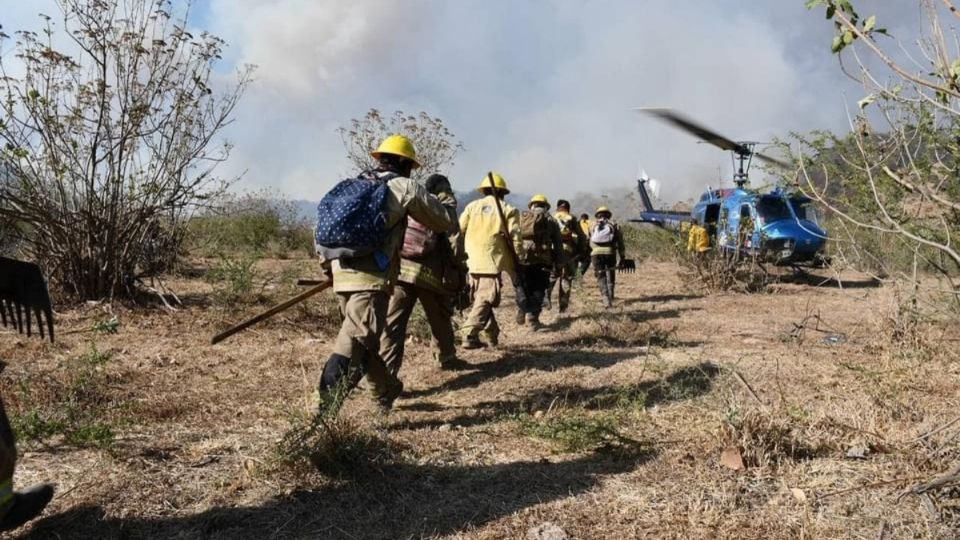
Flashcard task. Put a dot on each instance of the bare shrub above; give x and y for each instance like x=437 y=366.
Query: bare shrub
x=436 y=145
x=108 y=141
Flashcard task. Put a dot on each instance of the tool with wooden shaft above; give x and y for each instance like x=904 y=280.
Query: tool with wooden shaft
x=319 y=287
x=505 y=229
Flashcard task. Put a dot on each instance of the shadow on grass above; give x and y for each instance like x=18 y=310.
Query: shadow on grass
x=400 y=501
x=686 y=383
x=520 y=360
x=813 y=280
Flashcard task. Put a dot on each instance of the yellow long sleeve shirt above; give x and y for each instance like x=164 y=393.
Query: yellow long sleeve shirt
x=487 y=250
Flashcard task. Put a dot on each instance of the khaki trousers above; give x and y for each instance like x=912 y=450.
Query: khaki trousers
x=486 y=297
x=439 y=313
x=364 y=319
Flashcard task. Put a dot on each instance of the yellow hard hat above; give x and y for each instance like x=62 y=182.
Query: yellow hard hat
x=498 y=182
x=539 y=198
x=397 y=145
x=603 y=210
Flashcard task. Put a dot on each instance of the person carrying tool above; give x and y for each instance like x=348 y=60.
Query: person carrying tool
x=490 y=230
x=360 y=228
x=606 y=243
x=542 y=257
x=432 y=272
x=575 y=248
x=585 y=227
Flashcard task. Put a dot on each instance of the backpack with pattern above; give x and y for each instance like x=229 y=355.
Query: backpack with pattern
x=351 y=218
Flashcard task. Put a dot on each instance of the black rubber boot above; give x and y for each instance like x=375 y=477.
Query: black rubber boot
x=27 y=505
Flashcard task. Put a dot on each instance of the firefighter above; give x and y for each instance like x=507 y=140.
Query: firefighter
x=363 y=279
x=487 y=243
x=606 y=243
x=698 y=241
x=543 y=256
x=432 y=272
x=575 y=248
x=585 y=227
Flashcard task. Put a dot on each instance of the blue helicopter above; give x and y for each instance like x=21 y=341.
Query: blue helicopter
x=779 y=227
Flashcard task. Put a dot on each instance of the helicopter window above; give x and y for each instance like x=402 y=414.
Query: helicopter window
x=805 y=210
x=772 y=209
x=712 y=213
x=744 y=212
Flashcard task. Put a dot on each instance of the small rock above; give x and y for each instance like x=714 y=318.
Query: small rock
x=799 y=495
x=538 y=414
x=858 y=452
x=445 y=427
x=546 y=531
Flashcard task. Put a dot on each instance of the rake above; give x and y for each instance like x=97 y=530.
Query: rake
x=24 y=297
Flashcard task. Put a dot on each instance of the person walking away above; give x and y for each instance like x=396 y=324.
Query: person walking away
x=542 y=256
x=360 y=228
x=487 y=242
x=432 y=272
x=606 y=243
x=585 y=226
x=575 y=248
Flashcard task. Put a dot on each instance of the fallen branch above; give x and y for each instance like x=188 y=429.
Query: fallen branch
x=935 y=431
x=936 y=483
x=746 y=385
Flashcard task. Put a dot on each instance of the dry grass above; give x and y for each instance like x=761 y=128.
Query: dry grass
x=611 y=425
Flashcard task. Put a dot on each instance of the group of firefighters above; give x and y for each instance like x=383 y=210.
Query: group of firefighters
x=431 y=256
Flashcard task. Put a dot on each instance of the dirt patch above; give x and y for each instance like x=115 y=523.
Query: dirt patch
x=610 y=424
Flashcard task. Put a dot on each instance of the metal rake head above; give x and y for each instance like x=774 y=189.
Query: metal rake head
x=24 y=297
x=627 y=266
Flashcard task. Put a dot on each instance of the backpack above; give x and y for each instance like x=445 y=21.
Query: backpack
x=418 y=240
x=603 y=233
x=351 y=219
x=535 y=231
x=566 y=229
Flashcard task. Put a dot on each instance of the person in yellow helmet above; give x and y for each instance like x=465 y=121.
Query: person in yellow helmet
x=585 y=225
x=575 y=248
x=542 y=255
x=432 y=272
x=487 y=242
x=606 y=243
x=360 y=228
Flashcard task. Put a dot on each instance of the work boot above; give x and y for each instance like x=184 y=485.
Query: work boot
x=493 y=338
x=471 y=341
x=26 y=505
x=385 y=402
x=533 y=321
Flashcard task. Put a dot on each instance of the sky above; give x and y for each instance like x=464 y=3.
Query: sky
x=541 y=91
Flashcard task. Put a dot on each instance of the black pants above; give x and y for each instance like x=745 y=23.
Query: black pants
x=534 y=282
x=605 y=269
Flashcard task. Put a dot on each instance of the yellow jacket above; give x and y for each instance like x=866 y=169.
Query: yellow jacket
x=585 y=225
x=405 y=196
x=698 y=240
x=487 y=251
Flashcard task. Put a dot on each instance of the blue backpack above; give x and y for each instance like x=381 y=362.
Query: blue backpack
x=351 y=219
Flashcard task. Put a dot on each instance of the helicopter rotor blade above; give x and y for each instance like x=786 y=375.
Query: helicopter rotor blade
x=772 y=161
x=707 y=135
